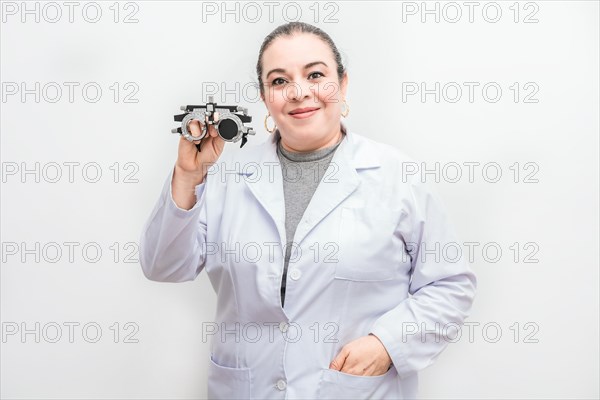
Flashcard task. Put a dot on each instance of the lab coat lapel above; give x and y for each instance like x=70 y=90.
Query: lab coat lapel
x=338 y=183
x=266 y=184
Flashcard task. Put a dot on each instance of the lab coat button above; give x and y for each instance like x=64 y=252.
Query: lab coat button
x=281 y=384
x=283 y=326
x=295 y=274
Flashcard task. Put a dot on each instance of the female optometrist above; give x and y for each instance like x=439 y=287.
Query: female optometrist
x=330 y=280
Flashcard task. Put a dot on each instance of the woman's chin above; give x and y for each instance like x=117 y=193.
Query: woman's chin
x=300 y=135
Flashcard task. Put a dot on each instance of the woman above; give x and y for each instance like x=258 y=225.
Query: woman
x=326 y=283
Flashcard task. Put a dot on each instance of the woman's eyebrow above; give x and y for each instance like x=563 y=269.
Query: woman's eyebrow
x=305 y=67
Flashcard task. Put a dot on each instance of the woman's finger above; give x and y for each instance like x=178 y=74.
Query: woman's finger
x=194 y=128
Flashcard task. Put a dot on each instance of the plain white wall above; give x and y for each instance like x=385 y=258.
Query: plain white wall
x=547 y=310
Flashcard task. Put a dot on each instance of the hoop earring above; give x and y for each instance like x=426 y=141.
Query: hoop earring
x=266 y=127
x=347 y=110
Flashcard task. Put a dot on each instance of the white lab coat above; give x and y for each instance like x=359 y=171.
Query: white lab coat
x=363 y=263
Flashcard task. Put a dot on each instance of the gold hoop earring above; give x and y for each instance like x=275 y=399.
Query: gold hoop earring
x=347 y=109
x=266 y=127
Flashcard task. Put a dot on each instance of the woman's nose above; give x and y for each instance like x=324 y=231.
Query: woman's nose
x=299 y=91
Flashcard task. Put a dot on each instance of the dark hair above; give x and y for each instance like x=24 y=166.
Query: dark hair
x=288 y=30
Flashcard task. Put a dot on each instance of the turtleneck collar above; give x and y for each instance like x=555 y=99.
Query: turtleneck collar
x=307 y=155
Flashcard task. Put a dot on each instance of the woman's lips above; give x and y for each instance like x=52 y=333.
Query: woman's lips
x=304 y=115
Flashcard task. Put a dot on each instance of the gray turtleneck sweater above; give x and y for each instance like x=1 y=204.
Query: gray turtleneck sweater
x=302 y=173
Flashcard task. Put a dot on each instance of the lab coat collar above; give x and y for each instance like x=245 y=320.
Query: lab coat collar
x=354 y=152
x=359 y=153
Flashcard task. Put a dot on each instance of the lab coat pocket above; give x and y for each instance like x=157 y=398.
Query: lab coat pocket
x=340 y=385
x=366 y=245
x=228 y=383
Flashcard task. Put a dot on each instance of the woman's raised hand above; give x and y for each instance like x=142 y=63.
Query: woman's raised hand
x=192 y=165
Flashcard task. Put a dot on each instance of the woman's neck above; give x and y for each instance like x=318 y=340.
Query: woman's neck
x=329 y=143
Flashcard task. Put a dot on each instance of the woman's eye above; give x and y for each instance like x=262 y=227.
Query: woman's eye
x=281 y=81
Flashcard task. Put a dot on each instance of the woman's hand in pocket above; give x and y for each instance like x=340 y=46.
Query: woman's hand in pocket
x=363 y=356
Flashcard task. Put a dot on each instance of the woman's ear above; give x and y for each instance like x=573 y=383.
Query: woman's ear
x=344 y=85
x=262 y=97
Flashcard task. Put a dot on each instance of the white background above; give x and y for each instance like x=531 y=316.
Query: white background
x=169 y=53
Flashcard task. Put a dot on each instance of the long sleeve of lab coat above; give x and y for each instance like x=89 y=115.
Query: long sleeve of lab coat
x=172 y=240
x=441 y=288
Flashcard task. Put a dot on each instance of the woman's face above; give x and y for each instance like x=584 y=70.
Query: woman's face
x=300 y=74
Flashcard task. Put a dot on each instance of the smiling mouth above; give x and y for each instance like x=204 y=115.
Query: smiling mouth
x=304 y=111
x=304 y=115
